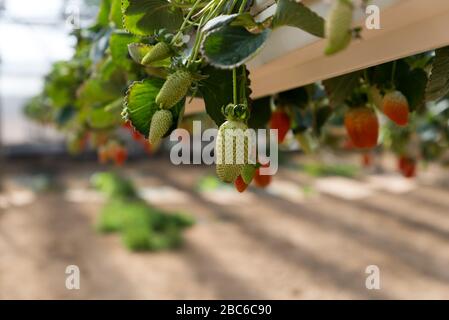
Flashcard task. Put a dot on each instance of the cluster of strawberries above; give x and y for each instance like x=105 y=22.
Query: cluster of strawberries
x=362 y=126
x=362 y=123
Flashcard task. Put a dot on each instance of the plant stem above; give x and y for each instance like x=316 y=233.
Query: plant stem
x=175 y=38
x=242 y=6
x=234 y=82
x=197 y=44
x=243 y=96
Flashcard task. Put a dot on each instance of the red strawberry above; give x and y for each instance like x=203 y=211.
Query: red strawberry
x=240 y=185
x=280 y=120
x=407 y=166
x=362 y=126
x=120 y=156
x=396 y=107
x=137 y=136
x=262 y=180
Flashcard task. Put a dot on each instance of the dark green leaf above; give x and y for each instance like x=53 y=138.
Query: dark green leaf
x=229 y=47
x=298 y=97
x=339 y=88
x=217 y=91
x=260 y=113
x=413 y=86
x=144 y=17
x=321 y=117
x=296 y=14
x=438 y=85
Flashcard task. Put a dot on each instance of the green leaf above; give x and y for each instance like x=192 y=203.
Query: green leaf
x=339 y=88
x=140 y=105
x=260 y=113
x=103 y=13
x=144 y=17
x=99 y=118
x=322 y=114
x=118 y=44
x=217 y=91
x=115 y=14
x=95 y=92
x=413 y=86
x=438 y=85
x=296 y=14
x=228 y=47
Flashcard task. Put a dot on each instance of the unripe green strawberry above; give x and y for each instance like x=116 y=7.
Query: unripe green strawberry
x=159 y=52
x=230 y=137
x=160 y=124
x=248 y=172
x=338 y=26
x=174 y=89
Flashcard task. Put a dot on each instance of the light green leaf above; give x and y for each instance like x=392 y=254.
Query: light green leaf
x=118 y=44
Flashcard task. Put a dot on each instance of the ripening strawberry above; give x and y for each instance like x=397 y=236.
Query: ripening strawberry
x=362 y=126
x=174 y=89
x=240 y=185
x=230 y=135
x=281 y=121
x=161 y=122
x=120 y=155
x=407 y=166
x=338 y=26
x=159 y=52
x=260 y=180
x=395 y=106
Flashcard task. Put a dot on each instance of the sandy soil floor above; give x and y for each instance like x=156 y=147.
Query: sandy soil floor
x=260 y=245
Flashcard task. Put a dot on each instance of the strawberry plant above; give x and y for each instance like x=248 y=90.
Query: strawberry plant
x=143 y=59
